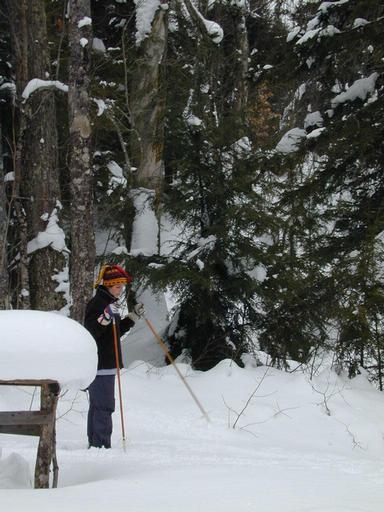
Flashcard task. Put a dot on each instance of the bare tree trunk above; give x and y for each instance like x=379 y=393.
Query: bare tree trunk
x=36 y=166
x=82 y=236
x=148 y=105
x=18 y=15
x=241 y=85
x=40 y=164
x=147 y=108
x=4 y=300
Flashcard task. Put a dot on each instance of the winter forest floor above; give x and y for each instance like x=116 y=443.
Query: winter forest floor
x=299 y=446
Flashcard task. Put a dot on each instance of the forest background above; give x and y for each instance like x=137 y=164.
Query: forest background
x=232 y=151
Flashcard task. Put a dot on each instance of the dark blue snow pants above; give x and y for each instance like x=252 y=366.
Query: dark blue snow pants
x=101 y=407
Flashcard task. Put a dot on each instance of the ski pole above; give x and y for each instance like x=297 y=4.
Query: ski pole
x=172 y=361
x=118 y=378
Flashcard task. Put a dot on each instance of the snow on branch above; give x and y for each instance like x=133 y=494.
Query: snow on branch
x=145 y=14
x=359 y=89
x=36 y=84
x=208 y=28
x=101 y=106
x=8 y=87
x=290 y=141
x=204 y=244
x=324 y=6
x=328 y=31
x=117 y=176
x=84 y=22
x=53 y=236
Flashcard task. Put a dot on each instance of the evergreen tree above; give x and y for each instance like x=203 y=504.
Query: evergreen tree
x=214 y=192
x=333 y=209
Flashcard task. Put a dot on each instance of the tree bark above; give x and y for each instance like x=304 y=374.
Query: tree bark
x=18 y=14
x=82 y=236
x=36 y=166
x=148 y=105
x=4 y=300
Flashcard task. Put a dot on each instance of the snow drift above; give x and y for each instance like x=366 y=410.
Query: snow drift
x=42 y=345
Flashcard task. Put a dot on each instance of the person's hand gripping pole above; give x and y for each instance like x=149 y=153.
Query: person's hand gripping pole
x=112 y=312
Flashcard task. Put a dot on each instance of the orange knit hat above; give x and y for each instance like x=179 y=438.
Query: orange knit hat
x=111 y=275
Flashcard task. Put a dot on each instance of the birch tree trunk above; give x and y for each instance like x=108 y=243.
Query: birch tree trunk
x=82 y=235
x=148 y=105
x=147 y=108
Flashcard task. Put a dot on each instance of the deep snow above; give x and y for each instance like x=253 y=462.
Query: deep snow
x=44 y=345
x=285 y=454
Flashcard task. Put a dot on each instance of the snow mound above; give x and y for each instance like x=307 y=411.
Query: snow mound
x=14 y=472
x=42 y=345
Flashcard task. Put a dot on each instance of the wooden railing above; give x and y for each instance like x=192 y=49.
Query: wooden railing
x=37 y=423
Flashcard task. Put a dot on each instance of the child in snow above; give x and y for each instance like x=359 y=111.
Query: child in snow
x=98 y=320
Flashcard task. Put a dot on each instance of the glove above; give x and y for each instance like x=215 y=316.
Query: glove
x=105 y=318
x=108 y=313
x=113 y=309
x=137 y=313
x=139 y=309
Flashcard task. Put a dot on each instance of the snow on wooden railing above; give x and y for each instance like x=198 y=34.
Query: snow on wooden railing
x=49 y=351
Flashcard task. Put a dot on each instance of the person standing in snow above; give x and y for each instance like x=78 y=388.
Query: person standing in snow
x=110 y=285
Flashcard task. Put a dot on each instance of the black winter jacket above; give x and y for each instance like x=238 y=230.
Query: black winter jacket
x=103 y=335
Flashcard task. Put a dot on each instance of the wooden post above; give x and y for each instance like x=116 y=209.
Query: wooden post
x=37 y=423
x=48 y=404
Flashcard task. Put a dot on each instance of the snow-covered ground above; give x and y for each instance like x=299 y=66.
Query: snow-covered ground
x=299 y=446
